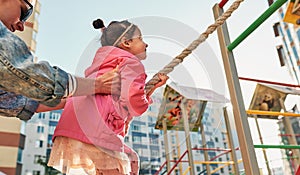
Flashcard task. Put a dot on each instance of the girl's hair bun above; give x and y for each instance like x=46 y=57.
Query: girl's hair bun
x=98 y=24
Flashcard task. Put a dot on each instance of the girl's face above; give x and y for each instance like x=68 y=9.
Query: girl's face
x=137 y=46
x=10 y=12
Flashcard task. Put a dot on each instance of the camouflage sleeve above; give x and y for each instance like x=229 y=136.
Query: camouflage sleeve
x=19 y=74
x=13 y=105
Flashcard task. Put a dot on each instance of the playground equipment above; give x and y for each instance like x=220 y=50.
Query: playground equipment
x=244 y=135
x=182 y=109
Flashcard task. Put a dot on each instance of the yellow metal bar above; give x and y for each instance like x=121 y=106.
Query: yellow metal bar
x=187 y=170
x=271 y=113
x=217 y=169
x=213 y=162
x=220 y=167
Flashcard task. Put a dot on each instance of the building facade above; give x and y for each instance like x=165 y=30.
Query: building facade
x=288 y=53
x=39 y=132
x=288 y=49
x=12 y=131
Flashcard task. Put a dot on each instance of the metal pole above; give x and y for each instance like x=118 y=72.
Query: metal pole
x=241 y=121
x=289 y=130
x=178 y=152
x=275 y=6
x=230 y=143
x=203 y=136
x=204 y=146
x=166 y=144
x=264 y=150
x=271 y=113
x=222 y=3
x=187 y=137
x=278 y=146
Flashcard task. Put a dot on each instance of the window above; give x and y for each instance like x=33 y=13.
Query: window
x=40 y=129
x=154 y=153
x=54 y=116
x=136 y=139
x=153 y=140
x=275 y=28
x=51 y=129
x=281 y=56
x=34 y=172
x=20 y=153
x=38 y=158
x=39 y=143
x=136 y=128
x=173 y=139
x=216 y=139
x=270 y=2
x=222 y=170
x=41 y=115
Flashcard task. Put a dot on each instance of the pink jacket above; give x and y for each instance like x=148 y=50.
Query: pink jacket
x=101 y=119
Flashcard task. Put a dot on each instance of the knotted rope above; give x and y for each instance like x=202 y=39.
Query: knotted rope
x=178 y=59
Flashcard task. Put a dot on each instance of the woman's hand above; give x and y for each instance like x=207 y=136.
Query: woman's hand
x=108 y=83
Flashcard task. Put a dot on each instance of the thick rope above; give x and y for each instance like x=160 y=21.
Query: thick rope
x=178 y=59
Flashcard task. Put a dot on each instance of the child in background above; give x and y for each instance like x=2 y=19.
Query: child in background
x=90 y=134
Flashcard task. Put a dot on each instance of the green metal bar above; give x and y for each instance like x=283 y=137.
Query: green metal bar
x=276 y=5
x=278 y=146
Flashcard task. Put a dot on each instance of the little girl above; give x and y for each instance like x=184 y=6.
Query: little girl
x=90 y=134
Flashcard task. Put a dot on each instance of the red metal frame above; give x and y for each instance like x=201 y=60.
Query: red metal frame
x=205 y=149
x=222 y=3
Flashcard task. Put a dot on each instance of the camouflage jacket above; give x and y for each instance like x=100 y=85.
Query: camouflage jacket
x=36 y=82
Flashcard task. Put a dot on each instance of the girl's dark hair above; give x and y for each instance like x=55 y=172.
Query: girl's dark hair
x=98 y=24
x=114 y=30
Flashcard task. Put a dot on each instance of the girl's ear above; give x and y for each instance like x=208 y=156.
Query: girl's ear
x=125 y=43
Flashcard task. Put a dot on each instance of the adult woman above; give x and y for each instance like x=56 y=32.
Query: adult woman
x=41 y=83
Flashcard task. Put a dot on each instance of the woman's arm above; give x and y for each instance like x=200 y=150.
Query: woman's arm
x=108 y=83
x=13 y=105
x=44 y=108
x=41 y=81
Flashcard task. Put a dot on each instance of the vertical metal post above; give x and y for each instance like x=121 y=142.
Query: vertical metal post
x=261 y=141
x=178 y=152
x=204 y=146
x=166 y=144
x=203 y=138
x=292 y=138
x=187 y=136
x=241 y=121
x=230 y=143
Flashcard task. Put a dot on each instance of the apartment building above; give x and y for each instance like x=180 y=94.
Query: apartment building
x=288 y=53
x=39 y=132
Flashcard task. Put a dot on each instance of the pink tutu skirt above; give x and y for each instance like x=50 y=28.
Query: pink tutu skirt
x=75 y=157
